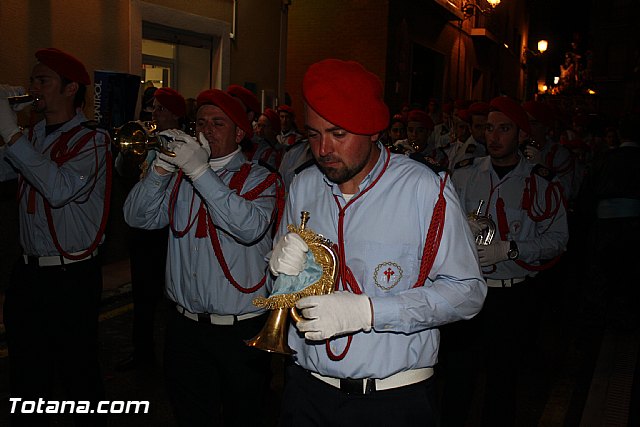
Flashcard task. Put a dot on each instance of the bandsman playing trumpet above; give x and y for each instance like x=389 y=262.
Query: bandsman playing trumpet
x=365 y=353
x=53 y=300
x=220 y=210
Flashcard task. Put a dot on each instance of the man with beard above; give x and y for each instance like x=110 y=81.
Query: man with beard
x=365 y=354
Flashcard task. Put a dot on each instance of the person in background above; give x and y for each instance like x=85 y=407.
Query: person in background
x=289 y=134
x=220 y=209
x=148 y=248
x=365 y=353
x=53 y=300
x=269 y=150
x=530 y=222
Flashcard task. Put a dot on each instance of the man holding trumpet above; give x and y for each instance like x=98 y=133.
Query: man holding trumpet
x=407 y=264
x=220 y=210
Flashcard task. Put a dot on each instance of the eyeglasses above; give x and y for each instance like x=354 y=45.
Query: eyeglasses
x=395 y=130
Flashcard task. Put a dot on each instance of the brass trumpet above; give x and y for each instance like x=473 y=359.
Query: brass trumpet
x=22 y=99
x=273 y=336
x=488 y=227
x=138 y=138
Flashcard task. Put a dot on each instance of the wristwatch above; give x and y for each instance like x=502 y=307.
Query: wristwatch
x=513 y=252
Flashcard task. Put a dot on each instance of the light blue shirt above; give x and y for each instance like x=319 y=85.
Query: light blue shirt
x=75 y=190
x=536 y=241
x=384 y=236
x=194 y=277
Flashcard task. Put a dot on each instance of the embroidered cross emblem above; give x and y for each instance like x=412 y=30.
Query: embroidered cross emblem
x=388 y=274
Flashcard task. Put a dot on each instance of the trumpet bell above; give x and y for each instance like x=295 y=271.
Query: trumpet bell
x=273 y=335
x=137 y=138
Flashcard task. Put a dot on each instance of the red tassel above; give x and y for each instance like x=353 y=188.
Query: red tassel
x=201 y=227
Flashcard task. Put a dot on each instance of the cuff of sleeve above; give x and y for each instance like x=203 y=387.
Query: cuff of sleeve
x=385 y=313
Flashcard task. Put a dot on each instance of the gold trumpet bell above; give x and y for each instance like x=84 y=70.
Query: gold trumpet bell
x=273 y=336
x=137 y=138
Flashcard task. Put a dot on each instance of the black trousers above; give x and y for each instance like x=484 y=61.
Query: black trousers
x=212 y=376
x=51 y=320
x=148 y=254
x=308 y=401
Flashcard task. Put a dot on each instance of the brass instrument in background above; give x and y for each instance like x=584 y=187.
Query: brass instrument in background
x=487 y=225
x=138 y=138
x=273 y=336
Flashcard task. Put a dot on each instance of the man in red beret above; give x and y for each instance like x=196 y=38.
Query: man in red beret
x=148 y=248
x=269 y=152
x=289 y=134
x=470 y=142
x=530 y=225
x=220 y=209
x=395 y=286
x=539 y=148
x=53 y=300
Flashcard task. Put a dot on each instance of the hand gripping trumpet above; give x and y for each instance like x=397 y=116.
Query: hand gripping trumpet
x=273 y=336
x=488 y=227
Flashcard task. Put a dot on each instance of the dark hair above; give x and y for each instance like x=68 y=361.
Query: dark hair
x=80 y=99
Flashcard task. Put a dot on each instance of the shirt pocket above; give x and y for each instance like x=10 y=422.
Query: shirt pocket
x=389 y=267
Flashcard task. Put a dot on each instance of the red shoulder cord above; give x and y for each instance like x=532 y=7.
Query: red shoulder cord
x=205 y=223
x=60 y=154
x=553 y=195
x=432 y=243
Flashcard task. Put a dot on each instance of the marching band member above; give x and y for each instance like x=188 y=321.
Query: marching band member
x=64 y=168
x=220 y=210
x=365 y=353
x=526 y=203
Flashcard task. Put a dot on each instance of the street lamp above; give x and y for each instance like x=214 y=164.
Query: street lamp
x=542 y=46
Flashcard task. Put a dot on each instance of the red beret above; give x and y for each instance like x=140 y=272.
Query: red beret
x=171 y=100
x=347 y=95
x=479 y=108
x=65 y=65
x=247 y=97
x=420 y=117
x=398 y=118
x=464 y=115
x=285 y=108
x=274 y=119
x=513 y=110
x=229 y=105
x=540 y=111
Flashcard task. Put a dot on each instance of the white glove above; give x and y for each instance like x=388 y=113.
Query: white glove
x=475 y=227
x=8 y=119
x=532 y=154
x=166 y=166
x=493 y=253
x=189 y=154
x=337 y=313
x=288 y=256
x=204 y=143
